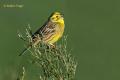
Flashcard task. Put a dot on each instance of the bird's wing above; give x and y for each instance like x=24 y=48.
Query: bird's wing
x=47 y=30
x=41 y=28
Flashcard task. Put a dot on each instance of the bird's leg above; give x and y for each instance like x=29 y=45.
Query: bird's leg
x=50 y=46
x=53 y=46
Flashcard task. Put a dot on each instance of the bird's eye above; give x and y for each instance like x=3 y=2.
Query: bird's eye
x=57 y=16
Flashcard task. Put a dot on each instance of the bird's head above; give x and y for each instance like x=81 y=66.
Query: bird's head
x=57 y=17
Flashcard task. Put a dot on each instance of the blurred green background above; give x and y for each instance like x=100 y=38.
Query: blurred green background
x=93 y=27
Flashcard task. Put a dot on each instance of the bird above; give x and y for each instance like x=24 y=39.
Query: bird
x=51 y=31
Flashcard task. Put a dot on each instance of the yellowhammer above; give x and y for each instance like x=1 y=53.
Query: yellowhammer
x=50 y=32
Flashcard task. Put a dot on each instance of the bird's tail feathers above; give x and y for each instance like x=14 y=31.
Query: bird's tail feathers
x=24 y=50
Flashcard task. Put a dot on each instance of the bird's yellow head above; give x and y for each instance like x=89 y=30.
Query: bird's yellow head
x=57 y=17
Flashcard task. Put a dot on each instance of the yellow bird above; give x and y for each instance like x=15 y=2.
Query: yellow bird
x=50 y=32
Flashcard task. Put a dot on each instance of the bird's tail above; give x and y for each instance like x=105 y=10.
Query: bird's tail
x=24 y=50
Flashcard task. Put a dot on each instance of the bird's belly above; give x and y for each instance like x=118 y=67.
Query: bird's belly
x=53 y=38
x=56 y=36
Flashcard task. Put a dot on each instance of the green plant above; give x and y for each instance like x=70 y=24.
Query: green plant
x=55 y=63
